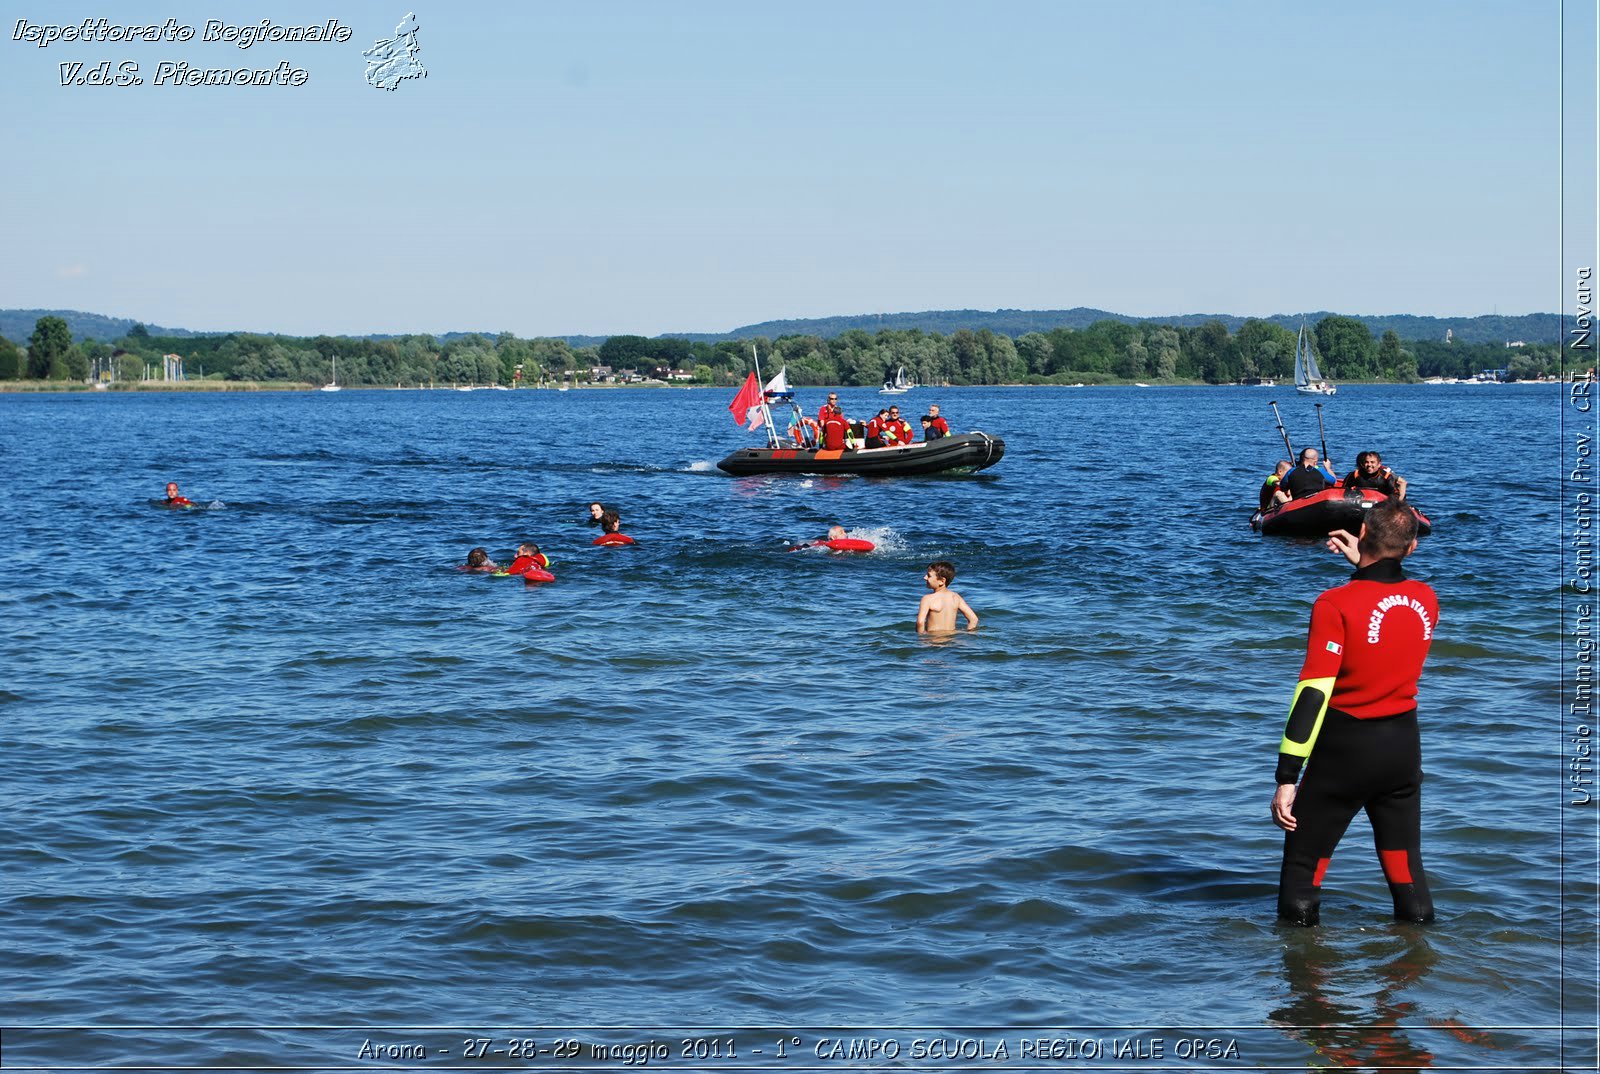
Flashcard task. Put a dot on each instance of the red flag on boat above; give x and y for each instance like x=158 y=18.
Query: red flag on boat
x=746 y=405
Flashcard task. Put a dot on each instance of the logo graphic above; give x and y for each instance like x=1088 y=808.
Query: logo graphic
x=1333 y=647
x=391 y=62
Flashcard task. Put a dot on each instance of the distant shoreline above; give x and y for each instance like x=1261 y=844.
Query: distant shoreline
x=42 y=386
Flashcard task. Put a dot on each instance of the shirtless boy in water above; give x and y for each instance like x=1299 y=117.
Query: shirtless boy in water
x=937 y=612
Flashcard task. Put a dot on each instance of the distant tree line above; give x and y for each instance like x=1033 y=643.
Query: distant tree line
x=1105 y=351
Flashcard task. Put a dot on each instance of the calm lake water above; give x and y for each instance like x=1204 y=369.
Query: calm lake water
x=277 y=764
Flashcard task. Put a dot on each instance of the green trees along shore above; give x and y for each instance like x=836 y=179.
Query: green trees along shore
x=1105 y=352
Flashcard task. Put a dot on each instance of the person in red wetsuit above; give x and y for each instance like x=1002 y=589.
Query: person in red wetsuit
x=1354 y=716
x=830 y=409
x=897 y=430
x=611 y=527
x=174 y=499
x=876 y=430
x=832 y=426
x=528 y=558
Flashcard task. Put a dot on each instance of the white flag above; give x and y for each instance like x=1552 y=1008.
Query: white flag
x=778 y=385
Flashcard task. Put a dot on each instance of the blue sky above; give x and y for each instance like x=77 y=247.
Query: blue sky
x=653 y=167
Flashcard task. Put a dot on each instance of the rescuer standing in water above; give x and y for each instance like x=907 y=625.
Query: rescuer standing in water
x=1353 y=723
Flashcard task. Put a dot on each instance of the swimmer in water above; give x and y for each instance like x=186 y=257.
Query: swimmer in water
x=937 y=612
x=478 y=560
x=528 y=558
x=174 y=499
x=835 y=533
x=611 y=526
x=597 y=512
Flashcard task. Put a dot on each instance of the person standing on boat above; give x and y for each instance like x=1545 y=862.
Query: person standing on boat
x=834 y=427
x=1371 y=473
x=830 y=409
x=1353 y=723
x=1307 y=479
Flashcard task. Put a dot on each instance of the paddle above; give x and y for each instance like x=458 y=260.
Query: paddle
x=1282 y=432
x=1322 y=433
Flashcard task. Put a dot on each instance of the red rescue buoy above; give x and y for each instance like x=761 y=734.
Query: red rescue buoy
x=613 y=539
x=849 y=544
x=537 y=575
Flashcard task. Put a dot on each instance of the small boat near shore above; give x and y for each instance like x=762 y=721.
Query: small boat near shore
x=1332 y=509
x=962 y=453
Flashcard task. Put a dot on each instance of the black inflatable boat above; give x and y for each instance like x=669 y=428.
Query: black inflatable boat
x=963 y=453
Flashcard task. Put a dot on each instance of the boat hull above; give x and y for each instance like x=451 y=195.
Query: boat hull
x=967 y=452
x=1319 y=515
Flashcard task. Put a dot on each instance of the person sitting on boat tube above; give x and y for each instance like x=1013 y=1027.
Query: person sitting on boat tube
x=834 y=430
x=876 y=425
x=897 y=430
x=174 y=499
x=1371 y=473
x=1307 y=479
x=1270 y=485
x=934 y=427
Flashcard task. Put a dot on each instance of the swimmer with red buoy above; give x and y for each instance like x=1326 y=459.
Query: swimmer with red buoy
x=531 y=565
x=174 y=498
x=838 y=540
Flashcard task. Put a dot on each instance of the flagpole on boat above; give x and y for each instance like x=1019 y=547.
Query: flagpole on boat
x=1282 y=431
x=772 y=434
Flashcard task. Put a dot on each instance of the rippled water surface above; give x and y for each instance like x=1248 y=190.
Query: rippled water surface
x=276 y=762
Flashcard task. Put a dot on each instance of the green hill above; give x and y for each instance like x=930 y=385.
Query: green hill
x=17 y=325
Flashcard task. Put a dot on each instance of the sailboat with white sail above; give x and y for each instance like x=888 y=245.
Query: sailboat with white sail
x=1307 y=377
x=332 y=385
x=898 y=384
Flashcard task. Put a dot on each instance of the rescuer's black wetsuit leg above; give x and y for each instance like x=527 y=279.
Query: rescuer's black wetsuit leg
x=1372 y=763
x=1397 y=835
x=1321 y=816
